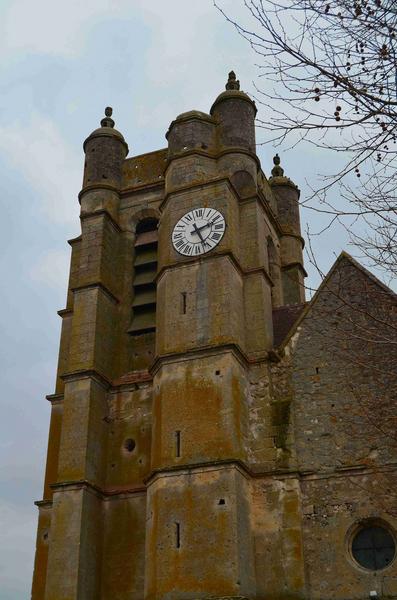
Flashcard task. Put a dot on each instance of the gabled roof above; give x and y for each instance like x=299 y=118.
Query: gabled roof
x=300 y=316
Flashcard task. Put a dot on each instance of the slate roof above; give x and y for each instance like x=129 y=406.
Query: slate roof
x=284 y=318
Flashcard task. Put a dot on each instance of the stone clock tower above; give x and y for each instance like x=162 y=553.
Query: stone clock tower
x=169 y=310
x=173 y=471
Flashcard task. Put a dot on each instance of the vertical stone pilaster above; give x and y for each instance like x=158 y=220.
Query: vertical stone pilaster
x=74 y=557
x=42 y=546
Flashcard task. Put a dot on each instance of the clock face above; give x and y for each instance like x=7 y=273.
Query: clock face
x=198 y=231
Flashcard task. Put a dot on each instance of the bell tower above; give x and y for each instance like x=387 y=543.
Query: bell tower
x=184 y=254
x=197 y=493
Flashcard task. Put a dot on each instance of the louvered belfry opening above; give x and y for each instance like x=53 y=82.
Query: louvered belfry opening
x=144 y=284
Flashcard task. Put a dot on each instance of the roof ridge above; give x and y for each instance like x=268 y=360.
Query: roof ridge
x=357 y=265
x=369 y=274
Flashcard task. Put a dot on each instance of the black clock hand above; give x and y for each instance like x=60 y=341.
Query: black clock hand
x=204 y=226
x=197 y=230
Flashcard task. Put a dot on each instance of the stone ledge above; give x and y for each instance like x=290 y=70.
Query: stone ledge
x=96 y=285
x=223 y=598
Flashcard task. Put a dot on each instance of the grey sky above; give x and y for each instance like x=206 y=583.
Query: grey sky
x=61 y=63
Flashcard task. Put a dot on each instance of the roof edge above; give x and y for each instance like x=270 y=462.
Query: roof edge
x=342 y=256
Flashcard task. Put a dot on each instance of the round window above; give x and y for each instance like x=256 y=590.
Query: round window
x=373 y=547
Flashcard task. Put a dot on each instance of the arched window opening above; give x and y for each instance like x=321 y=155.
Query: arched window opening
x=144 y=284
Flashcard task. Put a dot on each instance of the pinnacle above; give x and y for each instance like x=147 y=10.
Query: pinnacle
x=107 y=121
x=232 y=82
x=277 y=171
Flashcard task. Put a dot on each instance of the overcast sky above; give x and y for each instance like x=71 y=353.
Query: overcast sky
x=61 y=63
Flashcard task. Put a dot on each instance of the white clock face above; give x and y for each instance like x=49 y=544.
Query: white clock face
x=198 y=231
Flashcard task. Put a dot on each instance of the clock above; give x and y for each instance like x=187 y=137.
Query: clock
x=198 y=231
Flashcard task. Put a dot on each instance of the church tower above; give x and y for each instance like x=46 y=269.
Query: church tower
x=163 y=418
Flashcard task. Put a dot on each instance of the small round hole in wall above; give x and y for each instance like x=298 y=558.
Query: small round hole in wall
x=45 y=536
x=129 y=445
x=217 y=372
x=221 y=501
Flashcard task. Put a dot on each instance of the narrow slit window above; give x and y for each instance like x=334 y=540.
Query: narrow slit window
x=177 y=535
x=177 y=444
x=183 y=303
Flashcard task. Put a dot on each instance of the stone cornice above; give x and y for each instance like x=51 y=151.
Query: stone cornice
x=204 y=351
x=75 y=240
x=65 y=312
x=233 y=94
x=281 y=180
x=101 y=213
x=195 y=186
x=285 y=233
x=96 y=285
x=210 y=465
x=103 y=493
x=43 y=503
x=175 y=470
x=191 y=115
x=203 y=184
x=213 y=155
x=243 y=467
x=87 y=374
x=98 y=186
x=192 y=354
x=188 y=261
x=292 y=265
x=55 y=398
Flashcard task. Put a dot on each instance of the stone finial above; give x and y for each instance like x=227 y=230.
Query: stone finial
x=277 y=171
x=108 y=121
x=232 y=82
